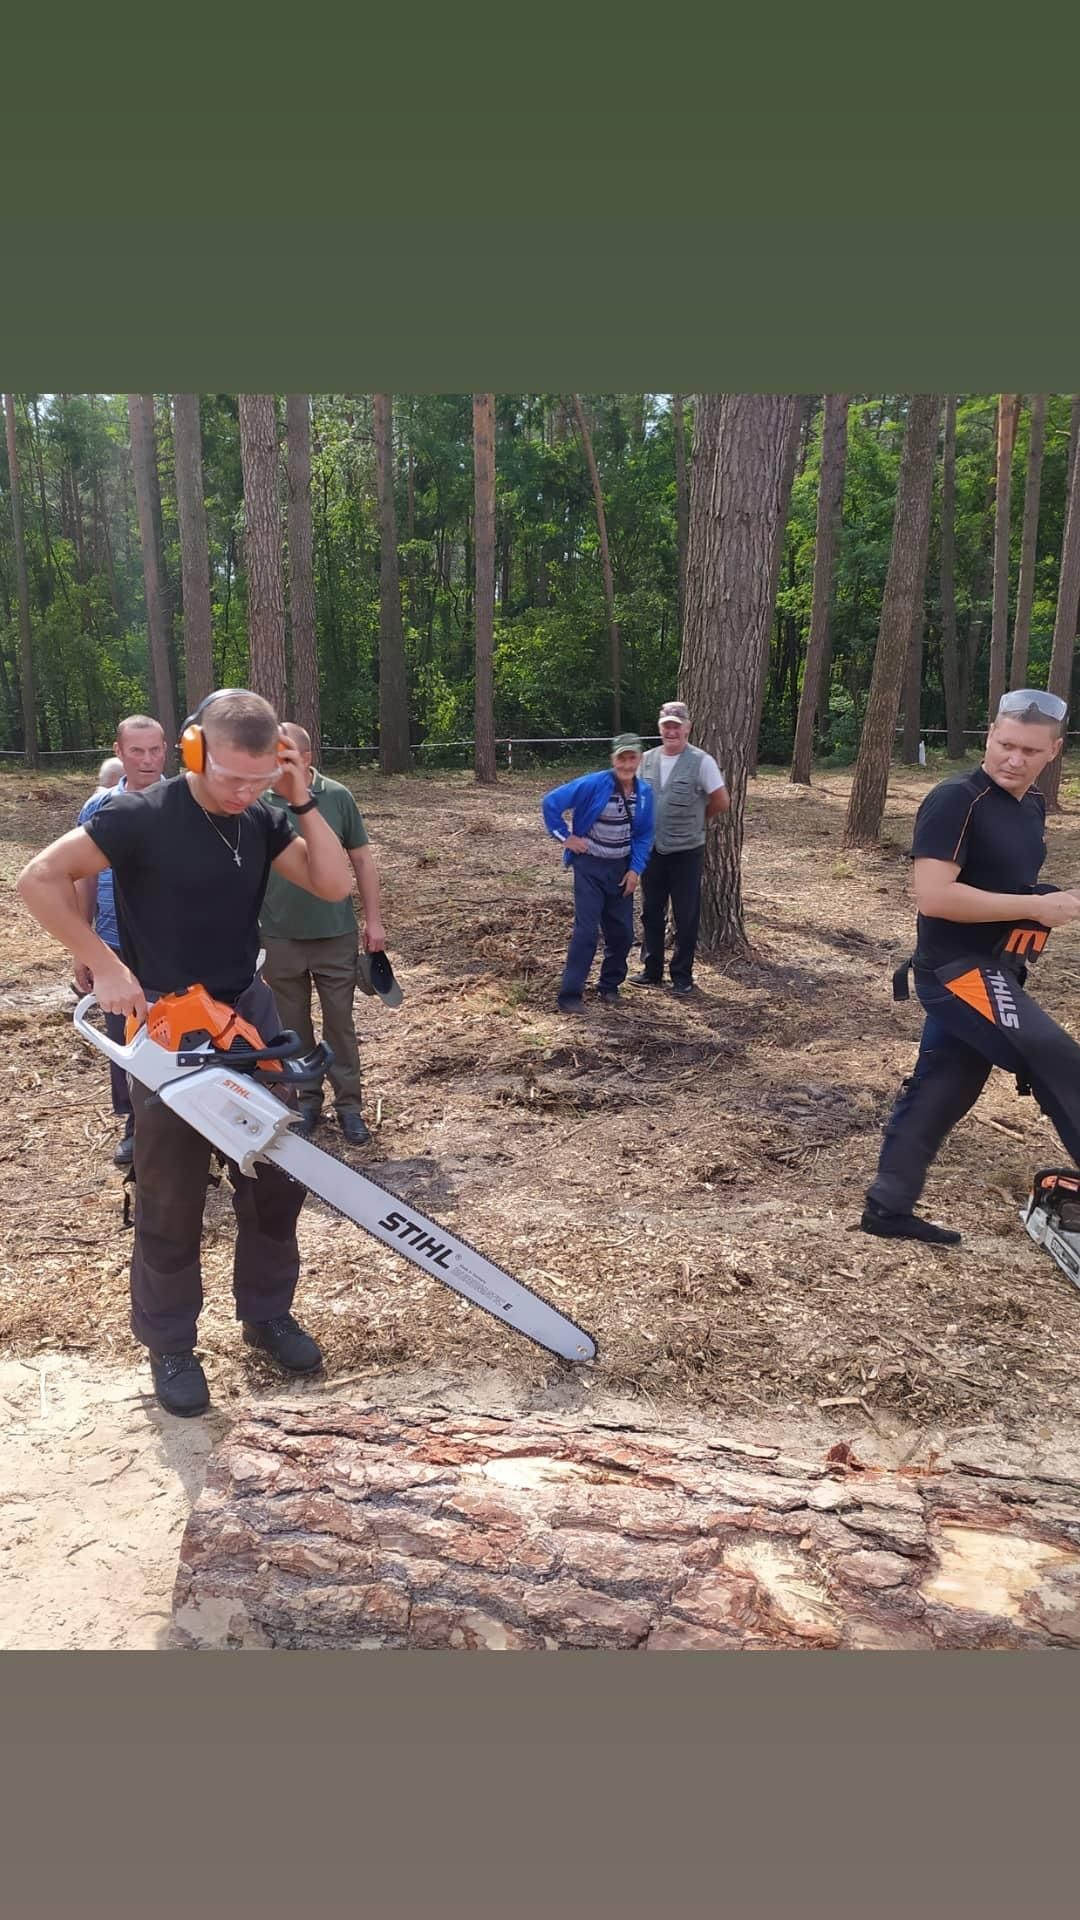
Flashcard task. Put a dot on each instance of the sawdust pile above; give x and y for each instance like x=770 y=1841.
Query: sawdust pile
x=683 y=1178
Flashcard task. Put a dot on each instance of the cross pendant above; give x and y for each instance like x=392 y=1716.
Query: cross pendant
x=236 y=857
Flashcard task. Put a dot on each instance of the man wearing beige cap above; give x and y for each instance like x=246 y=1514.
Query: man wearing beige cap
x=688 y=788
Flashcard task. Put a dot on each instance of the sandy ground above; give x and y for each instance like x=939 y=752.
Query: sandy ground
x=683 y=1178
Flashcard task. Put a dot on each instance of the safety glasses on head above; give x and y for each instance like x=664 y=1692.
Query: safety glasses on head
x=1021 y=701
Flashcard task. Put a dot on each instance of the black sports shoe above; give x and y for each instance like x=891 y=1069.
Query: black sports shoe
x=125 y=1147
x=906 y=1226
x=286 y=1342
x=354 y=1127
x=180 y=1383
x=647 y=980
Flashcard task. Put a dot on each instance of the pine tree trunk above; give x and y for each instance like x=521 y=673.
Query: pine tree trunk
x=262 y=547
x=1025 y=592
x=906 y=568
x=796 y=432
x=330 y=1526
x=1008 y=405
x=394 y=755
x=1059 y=679
x=682 y=501
x=605 y=561
x=194 y=549
x=304 y=706
x=912 y=695
x=826 y=544
x=950 y=650
x=26 y=651
x=484 y=469
x=741 y=451
x=141 y=418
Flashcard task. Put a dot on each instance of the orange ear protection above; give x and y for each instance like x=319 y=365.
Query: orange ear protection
x=191 y=745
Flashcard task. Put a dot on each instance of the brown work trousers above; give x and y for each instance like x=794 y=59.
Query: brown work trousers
x=292 y=968
x=172 y=1163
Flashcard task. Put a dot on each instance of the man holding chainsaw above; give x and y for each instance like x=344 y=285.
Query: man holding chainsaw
x=979 y=845
x=190 y=860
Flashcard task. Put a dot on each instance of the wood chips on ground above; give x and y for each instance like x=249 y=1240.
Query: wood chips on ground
x=683 y=1178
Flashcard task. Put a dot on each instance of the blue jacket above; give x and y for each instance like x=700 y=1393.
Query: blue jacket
x=588 y=796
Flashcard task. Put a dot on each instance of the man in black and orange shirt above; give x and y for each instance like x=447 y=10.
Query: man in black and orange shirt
x=978 y=848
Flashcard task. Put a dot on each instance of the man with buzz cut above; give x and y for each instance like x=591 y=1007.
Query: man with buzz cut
x=983 y=918
x=689 y=790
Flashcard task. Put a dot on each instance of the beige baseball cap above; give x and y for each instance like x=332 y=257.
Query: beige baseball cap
x=674 y=710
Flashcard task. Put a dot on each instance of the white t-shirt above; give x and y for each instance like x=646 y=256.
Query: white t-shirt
x=709 y=774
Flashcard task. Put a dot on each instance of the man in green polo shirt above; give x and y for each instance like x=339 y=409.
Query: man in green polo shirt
x=312 y=943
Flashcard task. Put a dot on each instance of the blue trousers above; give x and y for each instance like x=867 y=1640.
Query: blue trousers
x=959 y=1047
x=600 y=907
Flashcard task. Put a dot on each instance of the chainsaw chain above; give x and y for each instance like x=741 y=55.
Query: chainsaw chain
x=385 y=1187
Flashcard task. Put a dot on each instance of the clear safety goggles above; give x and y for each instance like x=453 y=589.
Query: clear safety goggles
x=1021 y=700
x=242 y=782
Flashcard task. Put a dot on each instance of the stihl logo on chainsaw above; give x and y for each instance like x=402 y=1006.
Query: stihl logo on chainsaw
x=421 y=1242
x=1003 y=1000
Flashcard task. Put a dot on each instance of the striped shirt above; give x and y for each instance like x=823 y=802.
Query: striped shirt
x=609 y=836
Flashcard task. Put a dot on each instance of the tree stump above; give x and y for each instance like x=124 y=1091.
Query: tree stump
x=366 y=1527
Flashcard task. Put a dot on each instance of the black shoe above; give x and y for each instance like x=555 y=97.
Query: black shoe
x=307 y=1123
x=906 y=1226
x=125 y=1148
x=286 y=1342
x=354 y=1127
x=647 y=980
x=608 y=996
x=570 y=1003
x=180 y=1383
x=682 y=986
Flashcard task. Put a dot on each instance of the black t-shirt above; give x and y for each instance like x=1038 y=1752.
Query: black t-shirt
x=188 y=915
x=999 y=844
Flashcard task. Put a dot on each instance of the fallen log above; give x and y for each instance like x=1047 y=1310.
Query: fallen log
x=328 y=1527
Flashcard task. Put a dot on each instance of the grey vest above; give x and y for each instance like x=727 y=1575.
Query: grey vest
x=680 y=803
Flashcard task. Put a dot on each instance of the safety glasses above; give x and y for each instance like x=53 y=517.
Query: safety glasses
x=1022 y=699
x=241 y=782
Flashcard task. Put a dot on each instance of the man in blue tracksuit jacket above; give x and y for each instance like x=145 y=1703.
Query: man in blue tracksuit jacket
x=612 y=819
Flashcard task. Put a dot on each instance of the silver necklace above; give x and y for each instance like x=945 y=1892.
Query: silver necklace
x=235 y=851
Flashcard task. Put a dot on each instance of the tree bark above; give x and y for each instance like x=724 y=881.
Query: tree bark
x=143 y=466
x=682 y=501
x=194 y=550
x=912 y=696
x=826 y=544
x=906 y=568
x=796 y=432
x=394 y=755
x=304 y=706
x=605 y=561
x=1025 y=592
x=330 y=1526
x=741 y=451
x=262 y=547
x=26 y=648
x=1008 y=406
x=1059 y=679
x=484 y=471
x=950 y=651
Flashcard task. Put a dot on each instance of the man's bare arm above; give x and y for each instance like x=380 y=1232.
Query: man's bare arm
x=942 y=896
x=317 y=860
x=48 y=888
x=367 y=880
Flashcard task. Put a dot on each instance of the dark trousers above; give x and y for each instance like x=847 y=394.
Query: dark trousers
x=600 y=907
x=675 y=877
x=295 y=968
x=172 y=1162
x=960 y=1045
x=115 y=1027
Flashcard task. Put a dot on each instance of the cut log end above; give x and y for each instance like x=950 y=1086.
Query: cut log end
x=366 y=1528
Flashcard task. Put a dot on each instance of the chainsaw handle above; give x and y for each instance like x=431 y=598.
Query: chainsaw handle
x=285 y=1046
x=115 y=1050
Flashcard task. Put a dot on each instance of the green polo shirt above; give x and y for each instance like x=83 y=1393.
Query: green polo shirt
x=292 y=913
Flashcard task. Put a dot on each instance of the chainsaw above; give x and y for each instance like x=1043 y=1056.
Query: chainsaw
x=1052 y=1217
x=213 y=1070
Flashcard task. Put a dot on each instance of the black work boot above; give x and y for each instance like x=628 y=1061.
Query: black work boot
x=354 y=1127
x=125 y=1146
x=286 y=1342
x=180 y=1383
x=905 y=1226
x=307 y=1123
